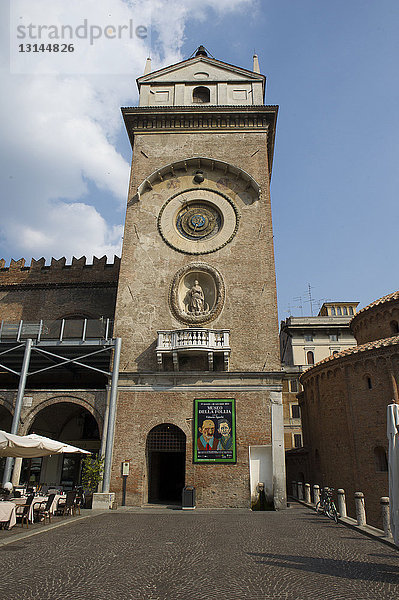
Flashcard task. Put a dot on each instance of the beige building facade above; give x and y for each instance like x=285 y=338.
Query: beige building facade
x=305 y=341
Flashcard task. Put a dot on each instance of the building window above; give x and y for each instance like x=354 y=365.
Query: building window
x=345 y=310
x=333 y=311
x=297 y=440
x=369 y=384
x=394 y=327
x=380 y=456
x=334 y=337
x=351 y=310
x=293 y=385
x=308 y=337
x=310 y=358
x=335 y=352
x=295 y=411
x=201 y=95
x=339 y=311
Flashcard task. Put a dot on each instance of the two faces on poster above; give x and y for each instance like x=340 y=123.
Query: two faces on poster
x=210 y=439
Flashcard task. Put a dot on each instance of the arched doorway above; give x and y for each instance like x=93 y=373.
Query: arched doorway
x=166 y=460
x=65 y=422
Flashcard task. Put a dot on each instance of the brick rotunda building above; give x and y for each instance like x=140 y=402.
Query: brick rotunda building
x=193 y=393
x=344 y=406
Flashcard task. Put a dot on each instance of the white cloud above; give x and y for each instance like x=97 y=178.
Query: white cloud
x=59 y=132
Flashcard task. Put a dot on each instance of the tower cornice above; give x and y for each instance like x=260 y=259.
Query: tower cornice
x=183 y=119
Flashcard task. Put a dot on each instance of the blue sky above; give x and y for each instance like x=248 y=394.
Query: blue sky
x=332 y=69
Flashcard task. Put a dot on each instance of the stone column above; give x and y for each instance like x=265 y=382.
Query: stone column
x=386 y=525
x=360 y=509
x=341 y=503
x=278 y=454
x=300 y=490
x=307 y=493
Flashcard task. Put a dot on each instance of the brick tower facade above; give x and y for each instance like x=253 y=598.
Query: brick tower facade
x=199 y=400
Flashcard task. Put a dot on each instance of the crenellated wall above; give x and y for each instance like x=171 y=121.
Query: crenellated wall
x=59 y=271
x=58 y=290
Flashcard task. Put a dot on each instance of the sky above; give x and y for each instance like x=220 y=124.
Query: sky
x=330 y=66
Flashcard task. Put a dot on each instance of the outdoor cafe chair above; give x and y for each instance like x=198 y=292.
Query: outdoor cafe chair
x=67 y=507
x=22 y=511
x=43 y=509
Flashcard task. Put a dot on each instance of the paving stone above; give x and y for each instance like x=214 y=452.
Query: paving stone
x=173 y=555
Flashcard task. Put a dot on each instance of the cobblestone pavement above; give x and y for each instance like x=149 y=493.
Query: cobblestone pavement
x=200 y=555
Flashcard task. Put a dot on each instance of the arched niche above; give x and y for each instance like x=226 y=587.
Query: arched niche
x=202 y=279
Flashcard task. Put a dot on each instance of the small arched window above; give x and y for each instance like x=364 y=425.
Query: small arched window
x=310 y=358
x=381 y=462
x=201 y=95
x=369 y=384
x=394 y=327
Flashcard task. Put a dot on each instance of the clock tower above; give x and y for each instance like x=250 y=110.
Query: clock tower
x=199 y=397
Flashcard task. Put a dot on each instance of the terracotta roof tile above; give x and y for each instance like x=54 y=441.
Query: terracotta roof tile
x=374 y=345
x=387 y=298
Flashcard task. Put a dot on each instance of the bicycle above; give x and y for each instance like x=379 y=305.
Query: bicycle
x=326 y=504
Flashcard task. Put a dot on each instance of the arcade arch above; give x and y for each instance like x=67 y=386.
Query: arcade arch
x=67 y=422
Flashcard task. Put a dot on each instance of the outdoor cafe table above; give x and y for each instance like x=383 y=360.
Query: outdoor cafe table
x=7 y=513
x=37 y=499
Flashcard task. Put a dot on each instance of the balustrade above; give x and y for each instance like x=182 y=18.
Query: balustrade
x=193 y=339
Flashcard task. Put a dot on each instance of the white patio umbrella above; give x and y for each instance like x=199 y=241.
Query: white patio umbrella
x=33 y=446
x=393 y=467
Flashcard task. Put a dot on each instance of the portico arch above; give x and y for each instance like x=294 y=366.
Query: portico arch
x=65 y=421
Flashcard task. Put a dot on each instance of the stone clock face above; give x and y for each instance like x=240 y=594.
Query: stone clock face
x=198 y=221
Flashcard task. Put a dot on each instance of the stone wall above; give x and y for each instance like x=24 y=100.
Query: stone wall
x=58 y=290
x=246 y=263
x=219 y=485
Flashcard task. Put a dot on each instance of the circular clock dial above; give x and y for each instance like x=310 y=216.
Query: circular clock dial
x=198 y=221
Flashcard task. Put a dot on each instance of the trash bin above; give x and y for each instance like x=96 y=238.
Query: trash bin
x=188 y=498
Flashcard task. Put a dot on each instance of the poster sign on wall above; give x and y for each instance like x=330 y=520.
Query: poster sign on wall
x=214 y=431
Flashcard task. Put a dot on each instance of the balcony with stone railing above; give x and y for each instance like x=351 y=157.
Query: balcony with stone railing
x=193 y=341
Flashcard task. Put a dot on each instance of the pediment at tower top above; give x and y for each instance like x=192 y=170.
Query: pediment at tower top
x=202 y=69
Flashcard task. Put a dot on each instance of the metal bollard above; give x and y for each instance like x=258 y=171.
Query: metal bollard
x=307 y=493
x=316 y=494
x=300 y=490
x=360 y=509
x=341 y=503
x=294 y=489
x=386 y=525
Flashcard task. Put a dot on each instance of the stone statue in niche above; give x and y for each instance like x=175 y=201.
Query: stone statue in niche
x=196 y=296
